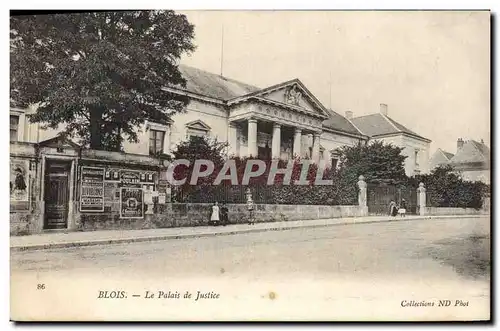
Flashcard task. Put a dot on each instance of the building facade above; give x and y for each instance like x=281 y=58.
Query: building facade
x=57 y=184
x=439 y=158
x=381 y=127
x=280 y=121
x=472 y=160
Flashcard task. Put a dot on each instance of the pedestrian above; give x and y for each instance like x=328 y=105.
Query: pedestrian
x=402 y=208
x=393 y=209
x=215 y=216
x=224 y=214
x=250 y=206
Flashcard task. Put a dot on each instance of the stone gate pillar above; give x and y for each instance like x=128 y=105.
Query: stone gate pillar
x=421 y=199
x=362 y=194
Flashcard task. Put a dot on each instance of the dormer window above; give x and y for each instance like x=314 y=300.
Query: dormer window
x=197 y=129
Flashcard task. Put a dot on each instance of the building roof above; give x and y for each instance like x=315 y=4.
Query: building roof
x=447 y=154
x=378 y=124
x=472 y=152
x=340 y=123
x=212 y=85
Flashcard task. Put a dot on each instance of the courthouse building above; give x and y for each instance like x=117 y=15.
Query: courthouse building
x=278 y=121
x=57 y=184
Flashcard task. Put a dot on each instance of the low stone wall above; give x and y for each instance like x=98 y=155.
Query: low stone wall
x=436 y=211
x=198 y=214
x=23 y=221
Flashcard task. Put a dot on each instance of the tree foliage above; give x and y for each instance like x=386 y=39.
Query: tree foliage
x=99 y=74
x=445 y=188
x=377 y=162
x=343 y=191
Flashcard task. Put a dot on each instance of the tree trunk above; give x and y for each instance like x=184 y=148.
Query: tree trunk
x=95 y=128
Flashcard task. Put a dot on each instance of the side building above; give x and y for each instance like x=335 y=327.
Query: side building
x=472 y=160
x=380 y=126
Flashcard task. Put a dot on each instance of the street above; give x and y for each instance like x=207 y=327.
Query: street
x=367 y=267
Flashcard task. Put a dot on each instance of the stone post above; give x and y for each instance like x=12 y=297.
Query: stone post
x=363 y=207
x=421 y=198
x=250 y=206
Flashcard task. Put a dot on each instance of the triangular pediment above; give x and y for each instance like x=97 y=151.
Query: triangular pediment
x=198 y=125
x=59 y=142
x=291 y=93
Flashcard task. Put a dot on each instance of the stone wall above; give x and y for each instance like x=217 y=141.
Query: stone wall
x=436 y=211
x=198 y=214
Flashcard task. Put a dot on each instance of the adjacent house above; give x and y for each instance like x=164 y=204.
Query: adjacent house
x=440 y=157
x=472 y=160
x=380 y=126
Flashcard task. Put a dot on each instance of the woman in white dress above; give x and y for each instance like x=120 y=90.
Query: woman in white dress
x=214 y=218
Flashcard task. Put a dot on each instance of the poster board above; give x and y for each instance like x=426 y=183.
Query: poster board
x=131 y=202
x=19 y=181
x=92 y=189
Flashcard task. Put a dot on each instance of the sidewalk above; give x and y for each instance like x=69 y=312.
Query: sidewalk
x=91 y=238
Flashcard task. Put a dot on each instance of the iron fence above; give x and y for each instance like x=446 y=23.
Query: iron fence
x=379 y=197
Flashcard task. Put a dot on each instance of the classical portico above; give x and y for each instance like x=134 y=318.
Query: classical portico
x=284 y=118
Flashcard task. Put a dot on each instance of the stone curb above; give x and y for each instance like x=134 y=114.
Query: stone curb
x=97 y=242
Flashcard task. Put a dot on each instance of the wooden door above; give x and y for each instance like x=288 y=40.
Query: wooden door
x=56 y=195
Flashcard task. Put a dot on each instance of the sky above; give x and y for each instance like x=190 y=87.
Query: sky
x=432 y=69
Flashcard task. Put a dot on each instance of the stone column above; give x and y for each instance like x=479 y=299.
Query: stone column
x=233 y=140
x=252 y=137
x=362 y=195
x=297 y=142
x=276 y=145
x=421 y=198
x=315 y=148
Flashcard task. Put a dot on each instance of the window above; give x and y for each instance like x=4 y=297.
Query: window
x=416 y=157
x=14 y=127
x=192 y=134
x=156 y=139
x=335 y=162
x=196 y=139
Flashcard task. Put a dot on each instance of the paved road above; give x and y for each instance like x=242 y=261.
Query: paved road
x=367 y=267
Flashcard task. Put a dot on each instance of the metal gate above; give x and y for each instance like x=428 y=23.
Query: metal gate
x=380 y=196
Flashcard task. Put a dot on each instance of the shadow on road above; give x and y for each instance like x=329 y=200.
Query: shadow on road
x=469 y=256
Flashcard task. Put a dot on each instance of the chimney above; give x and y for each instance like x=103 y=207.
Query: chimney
x=348 y=115
x=383 y=109
x=460 y=144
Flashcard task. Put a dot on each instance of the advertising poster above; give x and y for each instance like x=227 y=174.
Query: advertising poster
x=130 y=178
x=131 y=202
x=92 y=190
x=19 y=180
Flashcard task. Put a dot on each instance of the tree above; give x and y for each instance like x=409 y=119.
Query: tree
x=447 y=189
x=377 y=162
x=99 y=74
x=198 y=148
